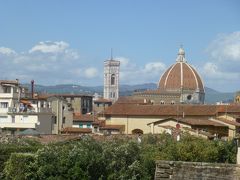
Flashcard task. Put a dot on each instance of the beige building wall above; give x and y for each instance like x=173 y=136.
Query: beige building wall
x=231 y=128
x=63 y=115
x=159 y=128
x=135 y=122
x=132 y=123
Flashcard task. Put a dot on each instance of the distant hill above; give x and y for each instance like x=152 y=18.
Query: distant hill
x=211 y=96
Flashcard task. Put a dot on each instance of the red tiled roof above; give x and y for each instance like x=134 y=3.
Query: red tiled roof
x=128 y=100
x=128 y=106
x=229 y=122
x=76 y=130
x=113 y=127
x=123 y=109
x=228 y=108
x=199 y=122
x=180 y=72
x=84 y=117
x=102 y=100
x=98 y=123
x=202 y=122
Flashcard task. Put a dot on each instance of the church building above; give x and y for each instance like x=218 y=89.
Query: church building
x=180 y=83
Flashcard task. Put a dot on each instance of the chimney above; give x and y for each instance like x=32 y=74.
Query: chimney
x=32 y=88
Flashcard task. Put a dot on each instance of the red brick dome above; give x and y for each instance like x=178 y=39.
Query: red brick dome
x=181 y=76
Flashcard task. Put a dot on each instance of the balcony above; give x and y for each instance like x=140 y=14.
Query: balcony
x=28 y=111
x=9 y=95
x=3 y=110
x=17 y=125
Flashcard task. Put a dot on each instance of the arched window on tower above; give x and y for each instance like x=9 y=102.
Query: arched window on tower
x=113 y=79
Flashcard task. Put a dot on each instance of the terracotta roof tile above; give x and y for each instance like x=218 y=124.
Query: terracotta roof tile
x=128 y=100
x=228 y=108
x=229 y=122
x=69 y=130
x=160 y=110
x=192 y=122
x=84 y=117
x=202 y=122
x=102 y=100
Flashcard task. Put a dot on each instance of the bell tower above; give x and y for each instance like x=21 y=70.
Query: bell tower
x=111 y=79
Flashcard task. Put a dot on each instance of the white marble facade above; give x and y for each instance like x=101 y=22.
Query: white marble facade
x=111 y=79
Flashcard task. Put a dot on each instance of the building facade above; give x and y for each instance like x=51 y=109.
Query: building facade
x=111 y=80
x=18 y=114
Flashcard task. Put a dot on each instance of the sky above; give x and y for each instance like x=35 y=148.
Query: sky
x=66 y=42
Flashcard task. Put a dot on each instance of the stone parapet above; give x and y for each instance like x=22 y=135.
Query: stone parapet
x=179 y=170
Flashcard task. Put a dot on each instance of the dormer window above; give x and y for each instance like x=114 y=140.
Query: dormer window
x=162 y=102
x=172 y=102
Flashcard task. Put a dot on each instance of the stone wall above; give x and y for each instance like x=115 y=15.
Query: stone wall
x=179 y=170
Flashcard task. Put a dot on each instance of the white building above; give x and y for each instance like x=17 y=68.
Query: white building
x=111 y=79
x=17 y=113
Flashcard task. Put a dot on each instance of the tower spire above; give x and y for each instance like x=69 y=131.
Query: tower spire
x=111 y=54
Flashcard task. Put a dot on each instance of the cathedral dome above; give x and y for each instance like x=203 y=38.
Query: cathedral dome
x=181 y=77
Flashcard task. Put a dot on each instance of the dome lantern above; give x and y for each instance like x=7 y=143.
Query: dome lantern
x=181 y=55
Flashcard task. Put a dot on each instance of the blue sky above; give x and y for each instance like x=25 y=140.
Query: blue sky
x=57 y=42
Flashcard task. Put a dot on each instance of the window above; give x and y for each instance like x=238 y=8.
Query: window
x=172 y=102
x=13 y=119
x=80 y=125
x=6 y=89
x=55 y=119
x=112 y=79
x=64 y=119
x=162 y=102
x=88 y=125
x=189 y=97
x=4 y=105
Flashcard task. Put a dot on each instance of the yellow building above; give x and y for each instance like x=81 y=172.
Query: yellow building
x=237 y=97
x=147 y=118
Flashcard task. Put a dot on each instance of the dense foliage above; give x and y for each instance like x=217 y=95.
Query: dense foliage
x=16 y=146
x=119 y=158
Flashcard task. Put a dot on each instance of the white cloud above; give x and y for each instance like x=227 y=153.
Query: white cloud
x=154 y=67
x=211 y=70
x=130 y=73
x=50 y=47
x=124 y=62
x=7 y=51
x=91 y=72
x=225 y=47
x=47 y=63
x=222 y=68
